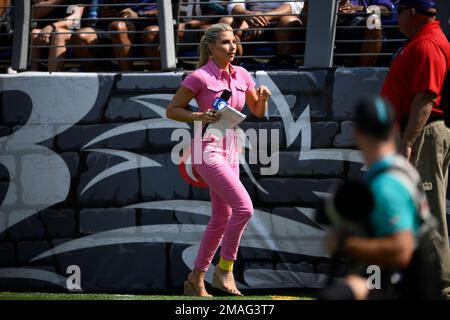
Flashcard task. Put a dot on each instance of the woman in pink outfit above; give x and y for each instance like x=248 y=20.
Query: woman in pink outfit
x=231 y=205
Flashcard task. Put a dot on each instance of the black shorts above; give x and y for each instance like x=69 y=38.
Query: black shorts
x=142 y=23
x=268 y=35
x=105 y=50
x=355 y=31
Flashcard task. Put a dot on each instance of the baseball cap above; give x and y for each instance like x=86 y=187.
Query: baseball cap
x=351 y=205
x=348 y=207
x=421 y=6
x=374 y=117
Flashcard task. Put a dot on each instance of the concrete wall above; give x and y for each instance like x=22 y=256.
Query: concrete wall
x=86 y=181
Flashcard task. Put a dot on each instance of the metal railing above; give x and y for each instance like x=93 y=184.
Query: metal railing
x=367 y=39
x=260 y=49
x=316 y=45
x=104 y=29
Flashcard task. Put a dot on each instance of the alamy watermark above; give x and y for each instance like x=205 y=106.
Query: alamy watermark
x=374 y=20
x=374 y=280
x=263 y=147
x=73 y=281
x=75 y=23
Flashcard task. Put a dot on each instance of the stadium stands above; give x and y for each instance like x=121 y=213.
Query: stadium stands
x=126 y=35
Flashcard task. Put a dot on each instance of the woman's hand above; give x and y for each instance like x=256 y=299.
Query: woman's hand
x=256 y=100
x=263 y=93
x=209 y=116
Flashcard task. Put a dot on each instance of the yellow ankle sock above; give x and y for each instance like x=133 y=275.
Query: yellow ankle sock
x=226 y=265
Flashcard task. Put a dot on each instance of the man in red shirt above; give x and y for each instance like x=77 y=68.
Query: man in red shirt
x=414 y=87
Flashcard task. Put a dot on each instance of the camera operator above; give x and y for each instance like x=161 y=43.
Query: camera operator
x=382 y=221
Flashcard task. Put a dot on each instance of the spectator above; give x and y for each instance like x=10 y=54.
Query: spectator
x=354 y=13
x=56 y=33
x=134 y=22
x=258 y=16
x=414 y=87
x=132 y=19
x=190 y=14
x=388 y=226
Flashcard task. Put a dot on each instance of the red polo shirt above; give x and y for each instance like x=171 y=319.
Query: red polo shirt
x=420 y=66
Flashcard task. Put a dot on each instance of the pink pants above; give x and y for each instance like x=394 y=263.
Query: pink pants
x=231 y=205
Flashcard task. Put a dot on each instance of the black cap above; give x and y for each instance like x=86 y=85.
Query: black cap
x=349 y=207
x=374 y=117
x=354 y=201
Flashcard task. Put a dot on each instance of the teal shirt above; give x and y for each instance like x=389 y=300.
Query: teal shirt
x=394 y=209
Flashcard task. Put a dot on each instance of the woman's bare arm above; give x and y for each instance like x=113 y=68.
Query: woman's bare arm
x=256 y=101
x=177 y=109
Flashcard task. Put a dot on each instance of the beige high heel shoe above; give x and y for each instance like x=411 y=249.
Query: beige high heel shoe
x=190 y=290
x=217 y=284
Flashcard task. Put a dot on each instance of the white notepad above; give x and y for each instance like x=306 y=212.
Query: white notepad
x=229 y=119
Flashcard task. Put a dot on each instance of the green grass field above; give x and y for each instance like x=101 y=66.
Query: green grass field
x=100 y=296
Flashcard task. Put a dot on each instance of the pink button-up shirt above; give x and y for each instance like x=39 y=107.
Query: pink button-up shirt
x=209 y=82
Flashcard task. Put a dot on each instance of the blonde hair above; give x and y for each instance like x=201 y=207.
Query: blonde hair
x=210 y=36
